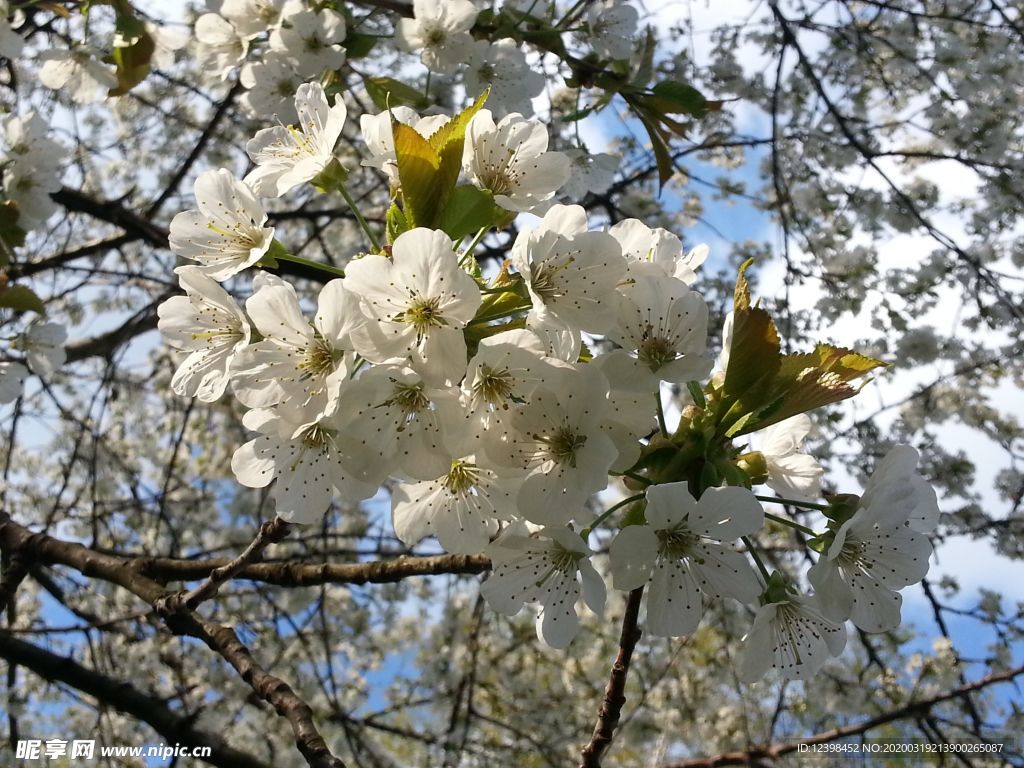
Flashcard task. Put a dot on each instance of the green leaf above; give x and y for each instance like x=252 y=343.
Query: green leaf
x=386 y=92
x=396 y=223
x=21 y=299
x=468 y=210
x=662 y=156
x=697 y=394
x=676 y=98
x=11 y=235
x=358 y=45
x=418 y=165
x=579 y=114
x=448 y=142
x=133 y=55
x=754 y=353
x=763 y=387
x=645 y=69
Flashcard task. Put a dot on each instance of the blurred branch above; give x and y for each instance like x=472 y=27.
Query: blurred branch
x=124 y=697
x=909 y=710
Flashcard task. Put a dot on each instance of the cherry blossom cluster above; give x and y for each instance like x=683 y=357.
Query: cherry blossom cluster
x=487 y=408
x=31 y=168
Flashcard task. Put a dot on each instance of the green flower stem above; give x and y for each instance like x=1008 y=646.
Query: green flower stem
x=608 y=512
x=472 y=246
x=329 y=269
x=757 y=558
x=661 y=415
x=791 y=524
x=793 y=502
x=635 y=476
x=359 y=218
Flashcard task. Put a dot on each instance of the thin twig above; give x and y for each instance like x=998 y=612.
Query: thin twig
x=269 y=533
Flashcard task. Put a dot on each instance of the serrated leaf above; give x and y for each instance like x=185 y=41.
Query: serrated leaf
x=448 y=141
x=418 y=165
x=468 y=210
x=755 y=350
x=21 y=299
x=386 y=92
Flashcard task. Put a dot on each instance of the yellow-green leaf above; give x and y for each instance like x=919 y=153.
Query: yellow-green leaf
x=418 y=166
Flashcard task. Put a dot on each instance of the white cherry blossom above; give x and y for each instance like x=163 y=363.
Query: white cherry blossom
x=288 y=156
x=395 y=422
x=552 y=567
x=512 y=161
x=297 y=362
x=251 y=18
x=209 y=325
x=303 y=458
x=310 y=39
x=502 y=67
x=12 y=377
x=220 y=44
x=611 y=26
x=556 y=438
x=502 y=375
x=227 y=233
x=419 y=299
x=272 y=81
x=43 y=344
x=439 y=30
x=896 y=483
x=684 y=552
x=569 y=272
x=880 y=549
x=76 y=72
x=791 y=474
x=792 y=636
x=589 y=172
x=461 y=508
x=657 y=251
x=662 y=327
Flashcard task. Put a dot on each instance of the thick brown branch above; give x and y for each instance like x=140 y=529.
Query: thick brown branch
x=615 y=693
x=297 y=574
x=912 y=709
x=175 y=728
x=272 y=689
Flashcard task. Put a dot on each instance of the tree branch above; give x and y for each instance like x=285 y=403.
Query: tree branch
x=614 y=695
x=124 y=697
x=911 y=709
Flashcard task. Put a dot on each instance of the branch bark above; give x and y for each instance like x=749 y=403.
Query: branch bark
x=614 y=695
